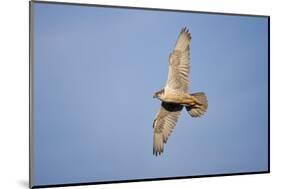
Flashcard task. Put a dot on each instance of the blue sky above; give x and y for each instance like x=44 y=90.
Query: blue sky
x=95 y=72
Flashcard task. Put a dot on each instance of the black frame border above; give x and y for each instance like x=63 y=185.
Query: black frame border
x=131 y=180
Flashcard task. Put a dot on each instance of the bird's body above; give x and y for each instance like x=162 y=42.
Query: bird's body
x=182 y=99
x=175 y=96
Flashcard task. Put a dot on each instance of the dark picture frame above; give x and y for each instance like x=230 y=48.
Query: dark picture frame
x=132 y=180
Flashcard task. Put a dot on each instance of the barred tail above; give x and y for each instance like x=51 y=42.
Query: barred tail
x=198 y=109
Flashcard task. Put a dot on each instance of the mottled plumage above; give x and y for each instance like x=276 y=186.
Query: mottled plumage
x=175 y=94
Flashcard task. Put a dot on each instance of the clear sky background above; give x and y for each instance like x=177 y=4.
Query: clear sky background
x=95 y=72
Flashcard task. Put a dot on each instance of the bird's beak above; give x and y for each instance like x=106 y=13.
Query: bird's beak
x=154 y=96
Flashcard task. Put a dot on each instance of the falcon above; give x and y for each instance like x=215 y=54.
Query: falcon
x=175 y=96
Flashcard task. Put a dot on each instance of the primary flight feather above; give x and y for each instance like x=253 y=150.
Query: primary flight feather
x=175 y=94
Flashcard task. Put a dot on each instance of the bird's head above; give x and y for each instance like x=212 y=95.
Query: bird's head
x=159 y=94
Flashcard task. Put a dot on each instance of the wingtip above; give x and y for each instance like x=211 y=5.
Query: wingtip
x=186 y=32
x=184 y=29
x=157 y=152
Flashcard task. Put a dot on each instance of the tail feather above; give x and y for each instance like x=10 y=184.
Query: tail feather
x=198 y=109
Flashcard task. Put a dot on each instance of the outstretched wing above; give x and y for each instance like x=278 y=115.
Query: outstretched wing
x=179 y=64
x=163 y=125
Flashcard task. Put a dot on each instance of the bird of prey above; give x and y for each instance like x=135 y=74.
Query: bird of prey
x=174 y=96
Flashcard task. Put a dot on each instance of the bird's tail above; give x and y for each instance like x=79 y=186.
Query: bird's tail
x=200 y=108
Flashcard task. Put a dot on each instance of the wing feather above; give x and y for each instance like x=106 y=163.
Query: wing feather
x=164 y=124
x=179 y=65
